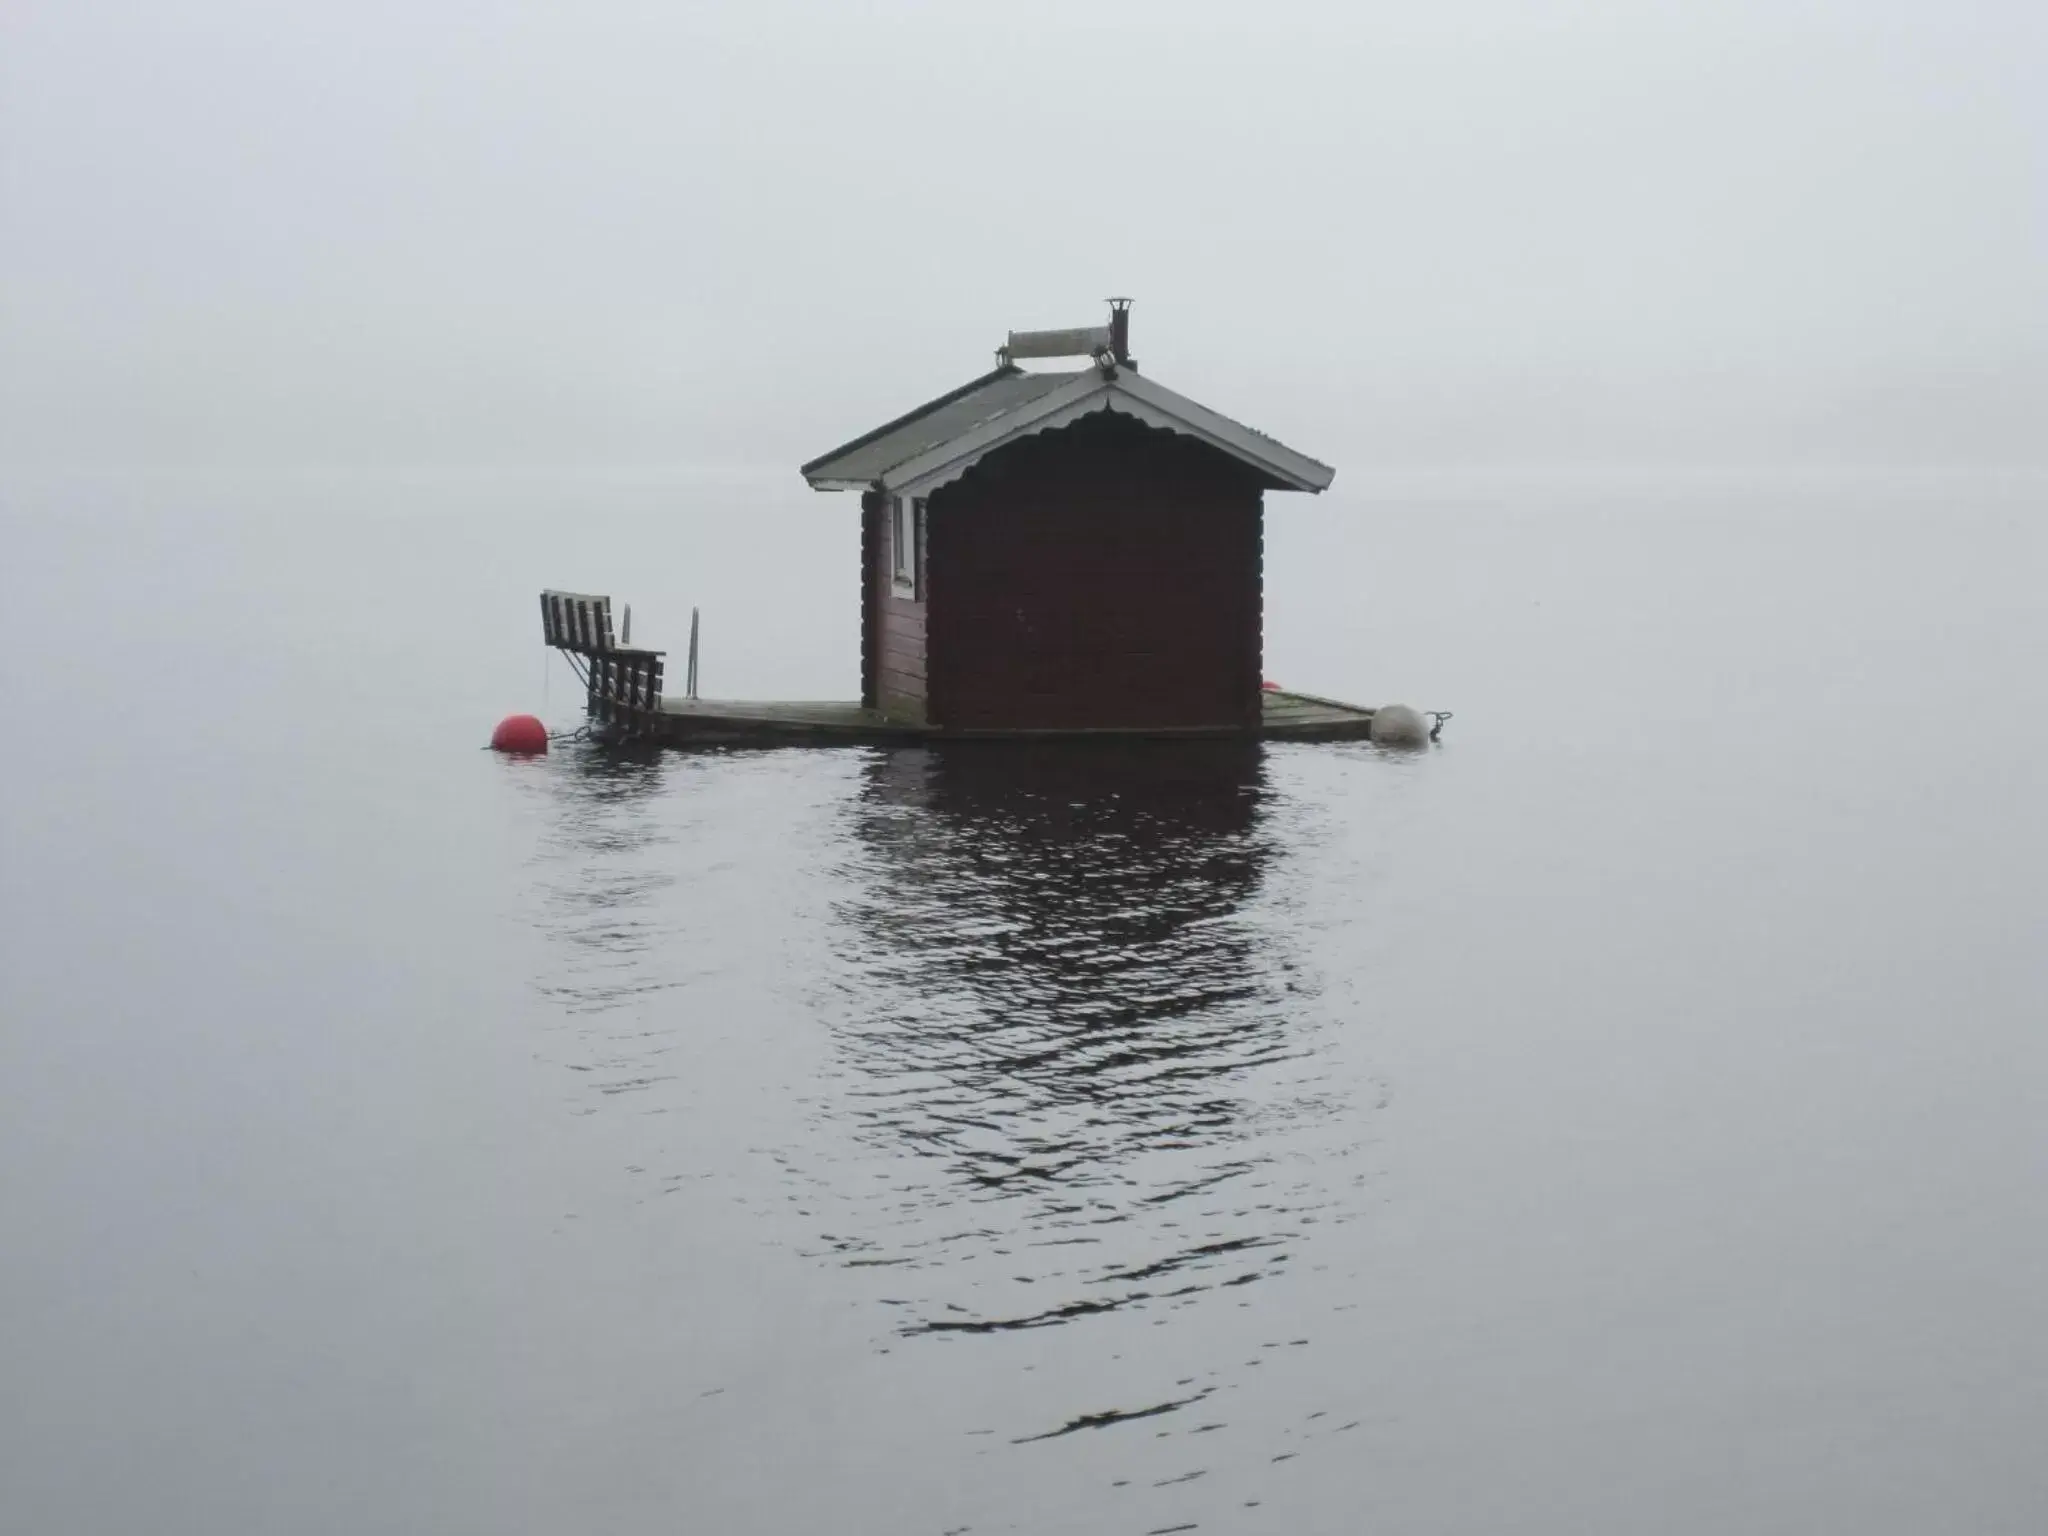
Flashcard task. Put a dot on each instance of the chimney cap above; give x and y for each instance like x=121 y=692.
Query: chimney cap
x=1120 y=332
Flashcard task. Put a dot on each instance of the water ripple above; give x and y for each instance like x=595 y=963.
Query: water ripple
x=1079 y=1072
x=1044 y=1075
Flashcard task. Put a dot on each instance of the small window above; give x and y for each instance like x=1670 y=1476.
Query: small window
x=906 y=540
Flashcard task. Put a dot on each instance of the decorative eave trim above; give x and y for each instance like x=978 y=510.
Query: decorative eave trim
x=1094 y=390
x=1002 y=371
x=947 y=462
x=1164 y=408
x=1123 y=391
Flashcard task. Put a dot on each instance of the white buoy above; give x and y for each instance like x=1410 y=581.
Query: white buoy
x=1396 y=725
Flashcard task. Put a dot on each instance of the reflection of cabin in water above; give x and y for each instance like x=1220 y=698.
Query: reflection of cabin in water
x=1075 y=1034
x=1064 y=552
x=1059 y=931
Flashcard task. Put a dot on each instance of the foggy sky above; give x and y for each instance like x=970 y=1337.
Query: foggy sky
x=604 y=232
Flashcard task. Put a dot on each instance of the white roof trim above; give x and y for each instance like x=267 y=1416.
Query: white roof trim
x=1181 y=414
x=948 y=461
x=1127 y=392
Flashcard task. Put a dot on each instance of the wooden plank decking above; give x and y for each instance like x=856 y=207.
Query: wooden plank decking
x=1306 y=717
x=708 y=722
x=712 y=721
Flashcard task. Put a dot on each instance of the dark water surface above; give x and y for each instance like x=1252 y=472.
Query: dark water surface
x=1632 y=1115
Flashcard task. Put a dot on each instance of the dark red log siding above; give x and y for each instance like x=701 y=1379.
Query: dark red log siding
x=872 y=532
x=1102 y=576
x=899 y=628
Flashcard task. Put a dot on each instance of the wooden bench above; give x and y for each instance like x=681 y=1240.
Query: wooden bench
x=623 y=681
x=577 y=621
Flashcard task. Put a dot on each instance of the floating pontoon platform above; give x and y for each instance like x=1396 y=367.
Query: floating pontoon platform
x=626 y=703
x=711 y=722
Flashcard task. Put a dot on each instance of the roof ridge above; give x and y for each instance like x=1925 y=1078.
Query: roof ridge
x=935 y=443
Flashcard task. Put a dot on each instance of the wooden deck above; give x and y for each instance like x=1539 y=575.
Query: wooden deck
x=690 y=722
x=626 y=703
x=721 y=722
x=1305 y=717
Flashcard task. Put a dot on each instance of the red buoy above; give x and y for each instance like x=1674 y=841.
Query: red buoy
x=1271 y=687
x=520 y=733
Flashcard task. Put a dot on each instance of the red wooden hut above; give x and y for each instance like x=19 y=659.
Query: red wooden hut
x=1073 y=550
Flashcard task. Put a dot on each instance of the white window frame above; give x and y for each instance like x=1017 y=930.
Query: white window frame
x=906 y=540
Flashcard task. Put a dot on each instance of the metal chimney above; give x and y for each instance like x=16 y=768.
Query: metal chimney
x=1120 y=332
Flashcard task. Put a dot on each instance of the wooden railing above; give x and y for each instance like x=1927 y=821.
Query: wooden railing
x=627 y=681
x=622 y=683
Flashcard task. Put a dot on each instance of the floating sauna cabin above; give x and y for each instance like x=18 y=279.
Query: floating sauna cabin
x=1070 y=550
x=1064 y=550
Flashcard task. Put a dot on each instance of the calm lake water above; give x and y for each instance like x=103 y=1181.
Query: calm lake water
x=1629 y=1116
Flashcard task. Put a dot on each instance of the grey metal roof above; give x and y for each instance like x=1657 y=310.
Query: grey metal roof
x=942 y=440
x=866 y=459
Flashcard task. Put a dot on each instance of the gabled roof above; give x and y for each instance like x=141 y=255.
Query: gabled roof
x=941 y=441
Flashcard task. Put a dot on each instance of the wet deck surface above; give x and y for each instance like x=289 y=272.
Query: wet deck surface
x=1306 y=716
x=768 y=723
x=1286 y=716
x=826 y=714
